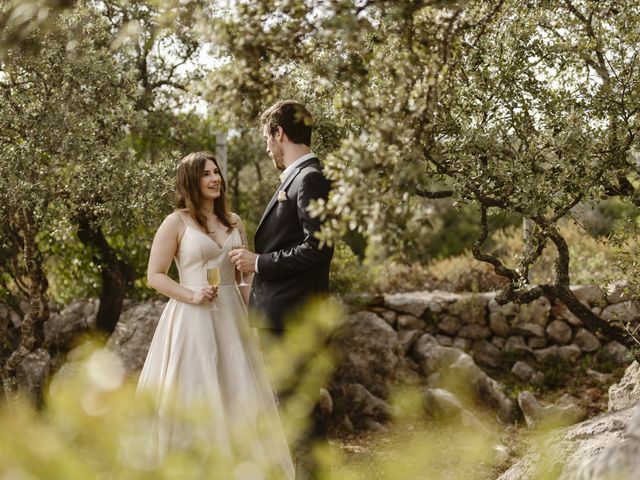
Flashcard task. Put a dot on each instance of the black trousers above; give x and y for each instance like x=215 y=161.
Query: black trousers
x=307 y=467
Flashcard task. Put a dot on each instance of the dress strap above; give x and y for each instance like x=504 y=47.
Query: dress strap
x=184 y=220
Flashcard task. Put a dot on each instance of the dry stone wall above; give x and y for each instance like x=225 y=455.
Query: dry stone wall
x=493 y=334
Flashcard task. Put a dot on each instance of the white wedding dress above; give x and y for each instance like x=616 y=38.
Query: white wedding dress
x=208 y=362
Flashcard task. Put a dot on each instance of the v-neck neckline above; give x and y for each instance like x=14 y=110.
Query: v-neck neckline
x=220 y=247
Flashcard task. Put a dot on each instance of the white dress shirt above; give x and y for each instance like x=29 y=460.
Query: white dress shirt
x=287 y=171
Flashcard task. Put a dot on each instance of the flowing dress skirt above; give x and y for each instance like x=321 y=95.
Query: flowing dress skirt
x=207 y=381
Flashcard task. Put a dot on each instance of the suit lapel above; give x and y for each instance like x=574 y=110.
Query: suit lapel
x=283 y=187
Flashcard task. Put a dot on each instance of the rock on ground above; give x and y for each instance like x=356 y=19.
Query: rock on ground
x=626 y=393
x=565 y=449
x=133 y=333
x=446 y=365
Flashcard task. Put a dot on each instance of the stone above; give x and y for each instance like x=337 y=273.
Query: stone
x=621 y=312
x=407 y=338
x=586 y=340
x=485 y=390
x=569 y=353
x=431 y=356
x=370 y=355
x=508 y=310
x=325 y=403
x=373 y=426
x=537 y=415
x=390 y=317
x=515 y=344
x=599 y=377
x=528 y=329
x=498 y=342
x=376 y=309
x=589 y=295
x=485 y=353
x=561 y=312
x=32 y=373
x=559 y=332
x=449 y=325
x=619 y=459
x=616 y=353
x=463 y=344
x=444 y=406
x=501 y=456
x=441 y=404
x=535 y=312
x=363 y=406
x=617 y=292
x=527 y=373
x=76 y=319
x=546 y=353
x=626 y=393
x=410 y=322
x=444 y=363
x=563 y=450
x=471 y=308
x=499 y=324
x=474 y=332
x=536 y=342
x=417 y=303
x=444 y=340
x=346 y=425
x=134 y=331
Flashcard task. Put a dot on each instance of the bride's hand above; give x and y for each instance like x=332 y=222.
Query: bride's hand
x=206 y=295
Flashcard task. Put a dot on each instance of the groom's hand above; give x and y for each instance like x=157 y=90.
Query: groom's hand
x=243 y=260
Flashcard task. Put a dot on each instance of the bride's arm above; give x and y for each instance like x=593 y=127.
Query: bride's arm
x=164 y=248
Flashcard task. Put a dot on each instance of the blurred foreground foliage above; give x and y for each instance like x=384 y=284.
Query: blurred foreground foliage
x=94 y=426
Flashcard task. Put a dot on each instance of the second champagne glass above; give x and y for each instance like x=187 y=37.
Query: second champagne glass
x=213 y=279
x=240 y=243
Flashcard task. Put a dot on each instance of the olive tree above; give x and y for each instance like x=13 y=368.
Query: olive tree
x=56 y=143
x=151 y=47
x=528 y=108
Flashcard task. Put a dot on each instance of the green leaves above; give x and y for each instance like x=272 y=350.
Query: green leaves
x=528 y=108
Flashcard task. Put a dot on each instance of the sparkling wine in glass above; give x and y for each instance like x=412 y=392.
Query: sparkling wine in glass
x=240 y=243
x=213 y=278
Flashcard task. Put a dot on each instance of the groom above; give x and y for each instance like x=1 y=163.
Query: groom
x=290 y=266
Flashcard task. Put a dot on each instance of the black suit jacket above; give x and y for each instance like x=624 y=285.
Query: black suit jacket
x=291 y=266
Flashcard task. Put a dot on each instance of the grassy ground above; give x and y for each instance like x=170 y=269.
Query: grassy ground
x=414 y=453
x=416 y=449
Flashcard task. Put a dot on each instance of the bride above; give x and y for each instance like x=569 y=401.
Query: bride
x=204 y=357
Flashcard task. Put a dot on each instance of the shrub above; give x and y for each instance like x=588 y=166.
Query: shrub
x=348 y=275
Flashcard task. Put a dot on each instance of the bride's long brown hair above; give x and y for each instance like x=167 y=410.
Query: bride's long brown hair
x=189 y=173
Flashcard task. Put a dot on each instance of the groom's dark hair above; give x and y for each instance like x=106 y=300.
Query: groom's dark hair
x=293 y=117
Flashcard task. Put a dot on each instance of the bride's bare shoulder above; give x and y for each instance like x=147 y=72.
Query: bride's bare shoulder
x=173 y=217
x=175 y=221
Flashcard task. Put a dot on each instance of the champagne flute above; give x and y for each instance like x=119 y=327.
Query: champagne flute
x=213 y=278
x=242 y=243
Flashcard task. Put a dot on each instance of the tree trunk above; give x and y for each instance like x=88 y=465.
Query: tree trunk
x=32 y=327
x=116 y=274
